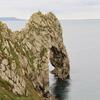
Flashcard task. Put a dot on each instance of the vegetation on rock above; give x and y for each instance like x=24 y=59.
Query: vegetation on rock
x=24 y=58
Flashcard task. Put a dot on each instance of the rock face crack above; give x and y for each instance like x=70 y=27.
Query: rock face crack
x=25 y=55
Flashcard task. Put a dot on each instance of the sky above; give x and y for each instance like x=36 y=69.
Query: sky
x=63 y=9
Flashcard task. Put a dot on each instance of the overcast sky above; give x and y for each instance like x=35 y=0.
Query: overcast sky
x=64 y=9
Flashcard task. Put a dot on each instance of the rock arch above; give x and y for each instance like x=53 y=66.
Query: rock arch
x=25 y=54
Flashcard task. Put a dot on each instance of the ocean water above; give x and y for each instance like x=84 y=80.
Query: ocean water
x=82 y=41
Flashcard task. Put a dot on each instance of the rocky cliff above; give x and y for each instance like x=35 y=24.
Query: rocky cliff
x=25 y=55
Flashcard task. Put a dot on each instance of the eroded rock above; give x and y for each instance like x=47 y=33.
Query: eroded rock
x=25 y=55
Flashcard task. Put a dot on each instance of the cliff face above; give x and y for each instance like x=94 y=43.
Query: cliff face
x=25 y=55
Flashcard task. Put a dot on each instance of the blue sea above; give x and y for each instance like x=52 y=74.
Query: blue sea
x=82 y=41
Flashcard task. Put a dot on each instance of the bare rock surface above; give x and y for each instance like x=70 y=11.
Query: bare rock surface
x=25 y=55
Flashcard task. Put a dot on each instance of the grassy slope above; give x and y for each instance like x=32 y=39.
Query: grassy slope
x=5 y=94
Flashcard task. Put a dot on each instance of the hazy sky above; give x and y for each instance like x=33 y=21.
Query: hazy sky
x=67 y=9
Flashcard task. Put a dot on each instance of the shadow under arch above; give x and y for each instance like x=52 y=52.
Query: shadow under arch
x=61 y=89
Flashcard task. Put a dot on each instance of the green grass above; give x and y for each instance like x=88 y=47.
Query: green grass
x=43 y=51
x=5 y=84
x=6 y=94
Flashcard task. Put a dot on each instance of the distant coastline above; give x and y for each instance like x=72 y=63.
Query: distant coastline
x=18 y=19
x=10 y=19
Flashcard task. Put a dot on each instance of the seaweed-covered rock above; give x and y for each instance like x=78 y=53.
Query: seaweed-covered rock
x=25 y=55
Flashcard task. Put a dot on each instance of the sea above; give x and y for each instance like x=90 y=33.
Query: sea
x=82 y=42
